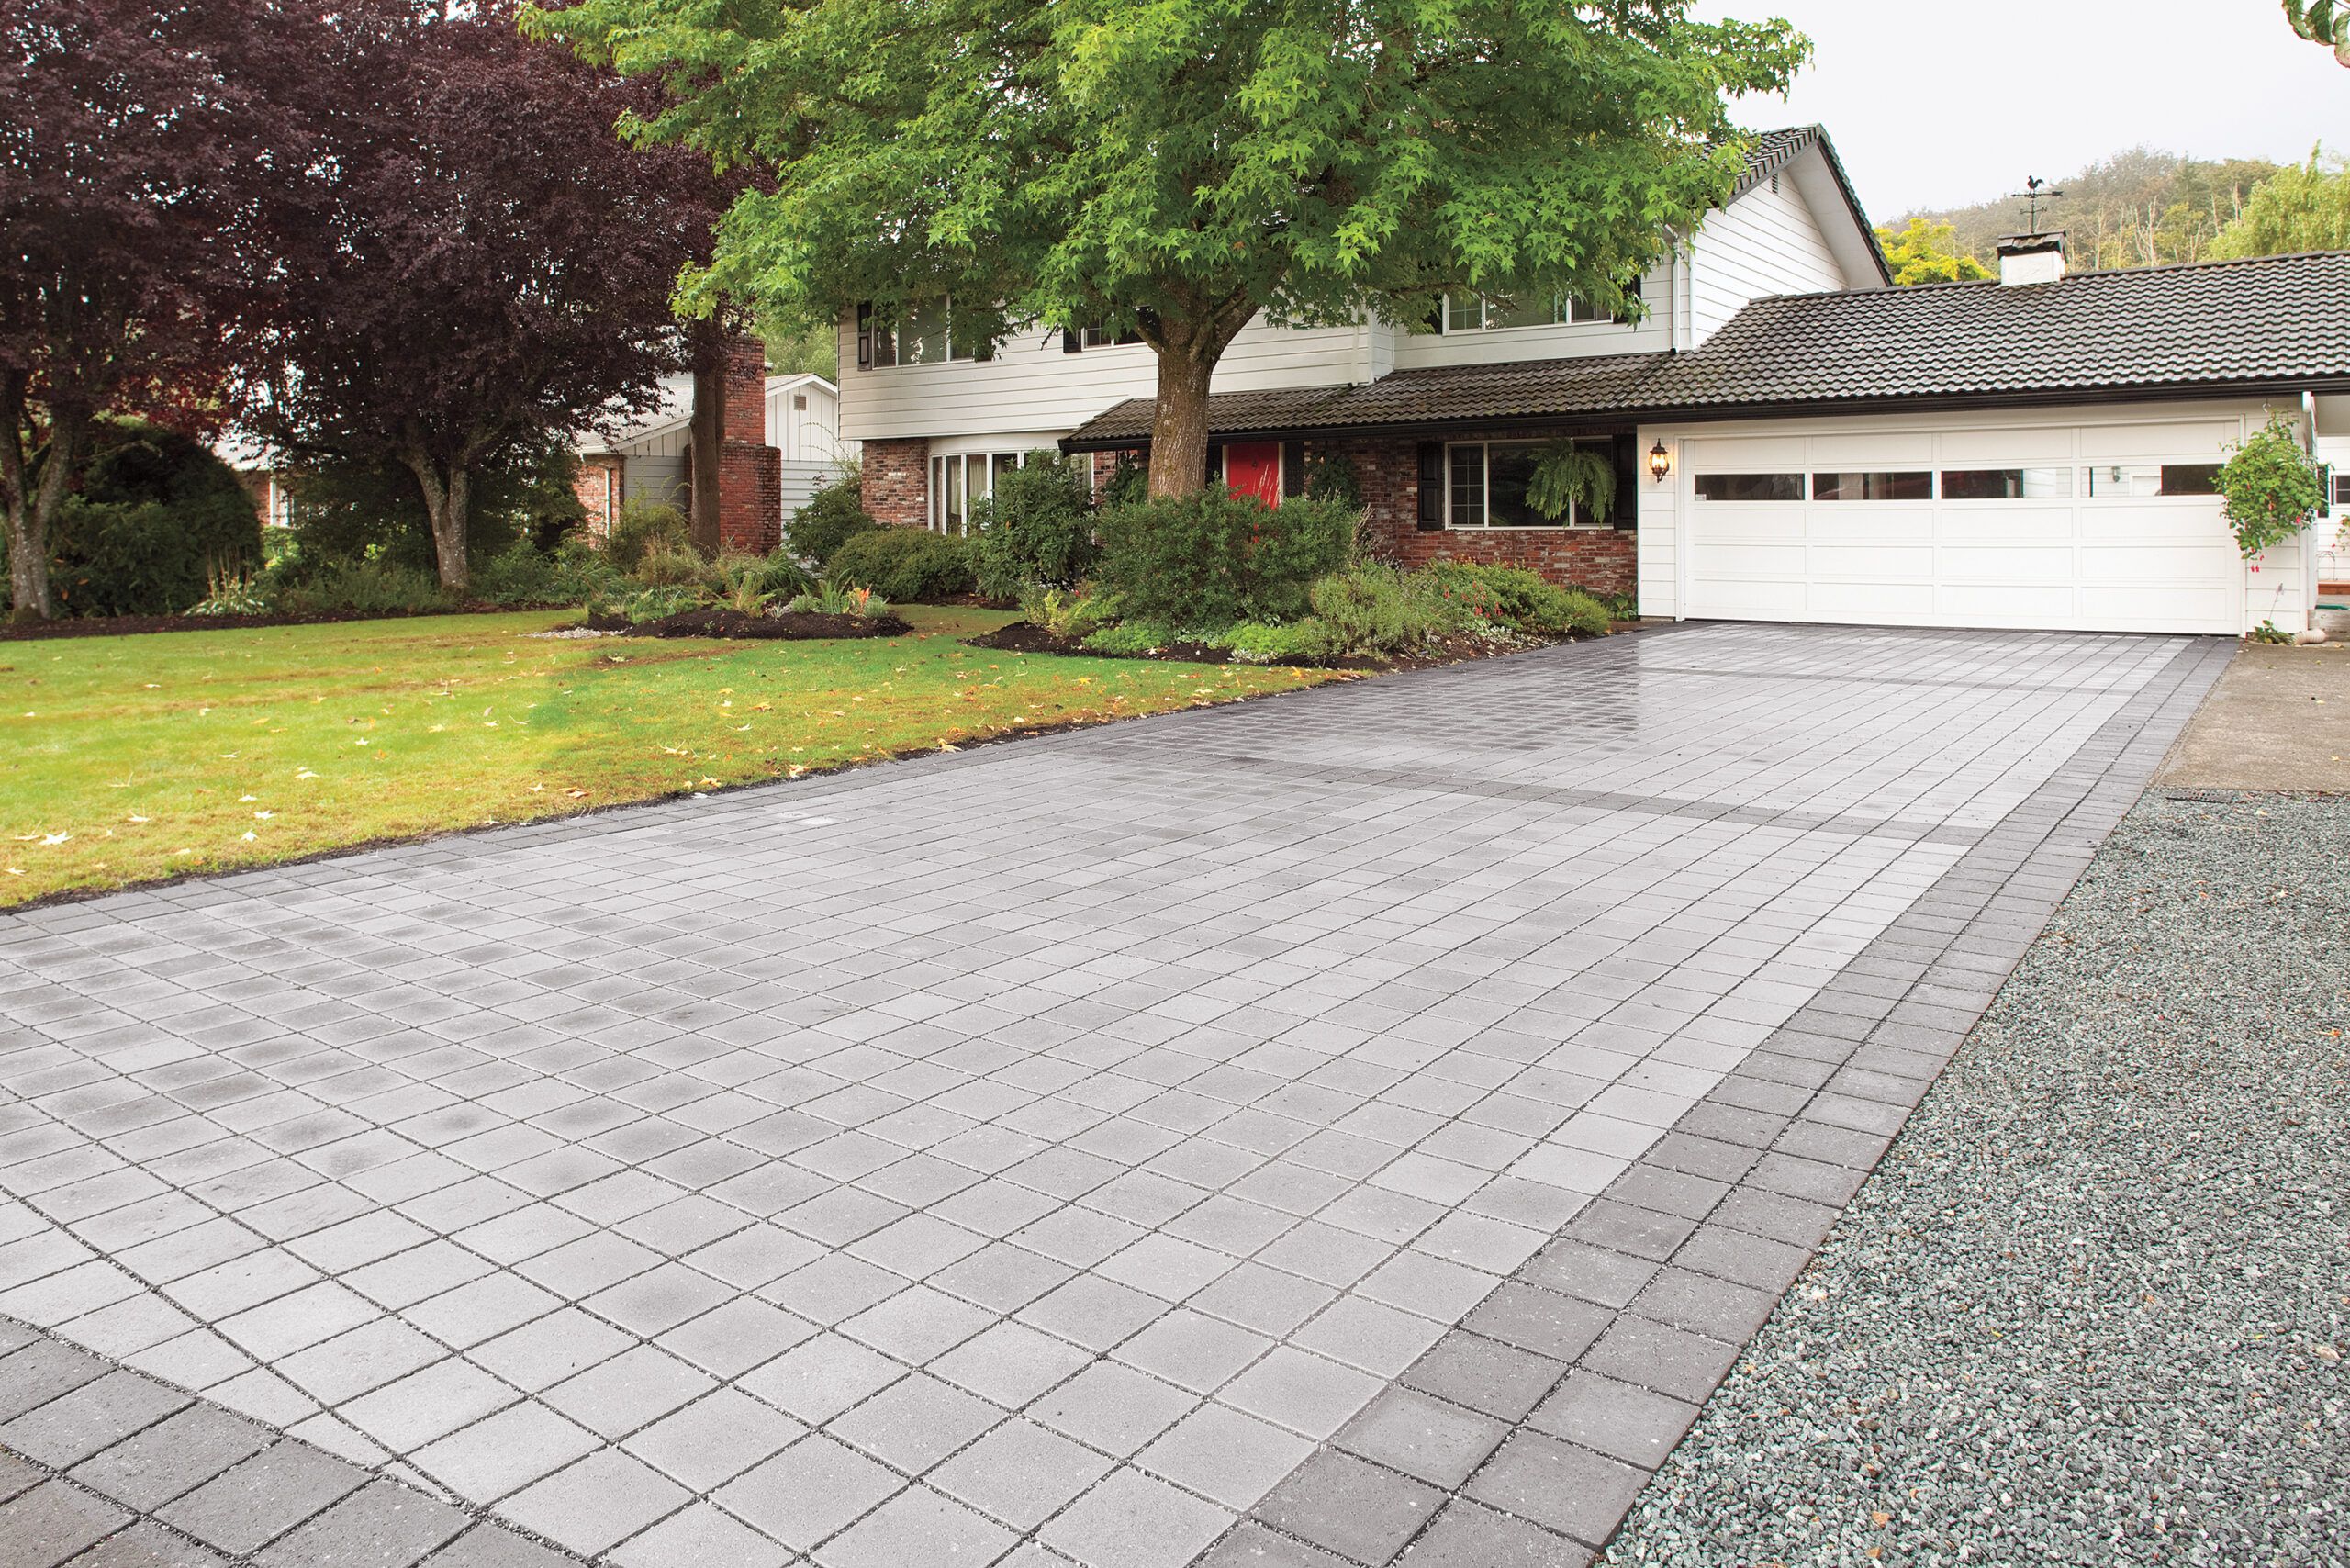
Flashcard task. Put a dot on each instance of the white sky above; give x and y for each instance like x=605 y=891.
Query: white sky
x=1939 y=105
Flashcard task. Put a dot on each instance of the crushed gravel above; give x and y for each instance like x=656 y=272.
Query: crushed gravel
x=2093 y=1307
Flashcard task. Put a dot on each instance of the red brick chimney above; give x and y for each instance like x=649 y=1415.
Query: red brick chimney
x=750 y=472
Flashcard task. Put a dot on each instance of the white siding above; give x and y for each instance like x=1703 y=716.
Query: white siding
x=804 y=436
x=1031 y=384
x=2092 y=565
x=1768 y=241
x=1506 y=345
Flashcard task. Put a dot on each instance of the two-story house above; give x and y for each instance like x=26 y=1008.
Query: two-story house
x=1794 y=439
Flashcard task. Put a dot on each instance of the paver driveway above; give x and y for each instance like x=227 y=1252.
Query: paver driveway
x=1069 y=1150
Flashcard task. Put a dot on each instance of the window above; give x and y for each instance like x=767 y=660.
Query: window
x=1104 y=338
x=2342 y=489
x=922 y=333
x=2007 y=483
x=1474 y=312
x=1905 y=484
x=1749 y=486
x=959 y=481
x=1486 y=484
x=2140 y=480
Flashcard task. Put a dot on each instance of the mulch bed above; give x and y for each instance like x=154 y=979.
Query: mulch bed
x=134 y=625
x=790 y=626
x=1027 y=637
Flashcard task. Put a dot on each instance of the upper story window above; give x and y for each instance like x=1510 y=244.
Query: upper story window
x=1104 y=338
x=1475 y=312
x=920 y=334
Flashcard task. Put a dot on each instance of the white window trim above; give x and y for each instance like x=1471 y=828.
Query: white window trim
x=986 y=459
x=1485 y=308
x=1575 y=513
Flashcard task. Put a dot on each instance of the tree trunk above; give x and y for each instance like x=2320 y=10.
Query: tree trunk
x=1179 y=422
x=32 y=503
x=706 y=429
x=448 y=501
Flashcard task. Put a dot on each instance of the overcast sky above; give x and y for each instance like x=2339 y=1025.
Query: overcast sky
x=1948 y=105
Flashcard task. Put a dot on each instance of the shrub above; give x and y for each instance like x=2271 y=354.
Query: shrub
x=829 y=519
x=1212 y=558
x=660 y=603
x=1372 y=608
x=1331 y=477
x=573 y=573
x=1128 y=483
x=2269 y=489
x=748 y=582
x=1297 y=641
x=352 y=511
x=642 y=528
x=1036 y=528
x=156 y=516
x=835 y=599
x=363 y=587
x=1132 y=636
x=673 y=563
x=1519 y=599
x=235 y=592
x=905 y=565
x=1067 y=613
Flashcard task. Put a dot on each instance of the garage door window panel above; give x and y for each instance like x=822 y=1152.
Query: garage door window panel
x=1749 y=486
x=2007 y=483
x=2141 y=481
x=1875 y=485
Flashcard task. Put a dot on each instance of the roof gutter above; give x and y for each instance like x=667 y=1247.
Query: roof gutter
x=1613 y=421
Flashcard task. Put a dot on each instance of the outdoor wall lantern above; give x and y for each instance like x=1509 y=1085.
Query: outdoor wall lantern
x=1660 y=461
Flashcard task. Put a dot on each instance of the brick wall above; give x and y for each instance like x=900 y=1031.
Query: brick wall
x=599 y=482
x=750 y=472
x=897 y=482
x=1604 y=559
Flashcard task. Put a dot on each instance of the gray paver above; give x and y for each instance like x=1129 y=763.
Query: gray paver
x=1606 y=971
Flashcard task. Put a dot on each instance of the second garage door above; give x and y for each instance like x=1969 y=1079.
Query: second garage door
x=2076 y=528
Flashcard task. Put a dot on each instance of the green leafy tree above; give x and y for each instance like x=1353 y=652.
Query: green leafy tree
x=2305 y=207
x=1174 y=168
x=2321 y=21
x=1926 y=252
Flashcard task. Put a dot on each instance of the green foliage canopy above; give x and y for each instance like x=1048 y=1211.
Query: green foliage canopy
x=2305 y=206
x=1175 y=167
x=1926 y=252
x=2269 y=487
x=2321 y=21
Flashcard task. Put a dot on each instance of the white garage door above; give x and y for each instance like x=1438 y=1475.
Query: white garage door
x=2109 y=528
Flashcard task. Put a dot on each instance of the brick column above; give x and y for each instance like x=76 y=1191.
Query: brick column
x=896 y=486
x=599 y=482
x=750 y=472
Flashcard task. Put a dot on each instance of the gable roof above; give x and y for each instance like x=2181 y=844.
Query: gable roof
x=1772 y=152
x=2268 y=321
x=2270 y=324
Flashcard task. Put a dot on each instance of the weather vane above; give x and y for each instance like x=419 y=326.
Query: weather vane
x=2035 y=191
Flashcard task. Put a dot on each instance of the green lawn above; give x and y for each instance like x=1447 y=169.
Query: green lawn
x=123 y=759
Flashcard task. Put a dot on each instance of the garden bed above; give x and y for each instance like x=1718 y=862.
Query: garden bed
x=140 y=625
x=1027 y=637
x=783 y=626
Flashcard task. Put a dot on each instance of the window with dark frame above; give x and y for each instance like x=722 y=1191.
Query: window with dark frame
x=1486 y=484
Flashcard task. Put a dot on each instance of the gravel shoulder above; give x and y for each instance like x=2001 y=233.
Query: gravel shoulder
x=2093 y=1306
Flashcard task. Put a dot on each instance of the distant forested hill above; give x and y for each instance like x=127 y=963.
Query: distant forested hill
x=2137 y=209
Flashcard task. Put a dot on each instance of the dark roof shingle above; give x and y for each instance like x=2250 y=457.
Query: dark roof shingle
x=2270 y=322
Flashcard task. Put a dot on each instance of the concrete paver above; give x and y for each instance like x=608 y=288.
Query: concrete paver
x=1139 y=1145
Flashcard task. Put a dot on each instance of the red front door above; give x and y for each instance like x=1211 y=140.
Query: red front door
x=1254 y=468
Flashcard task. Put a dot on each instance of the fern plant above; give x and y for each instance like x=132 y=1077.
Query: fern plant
x=1567 y=476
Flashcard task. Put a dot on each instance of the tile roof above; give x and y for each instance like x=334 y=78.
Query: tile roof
x=2274 y=319
x=2270 y=322
x=1531 y=389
